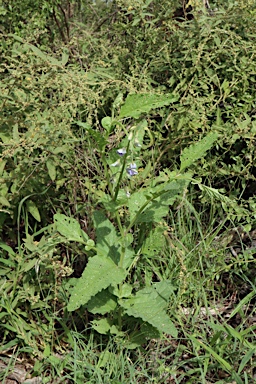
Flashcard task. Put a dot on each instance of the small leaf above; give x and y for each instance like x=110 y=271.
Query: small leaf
x=51 y=169
x=137 y=104
x=65 y=57
x=197 y=151
x=102 y=326
x=33 y=210
x=70 y=228
x=106 y=123
x=2 y=165
x=100 y=273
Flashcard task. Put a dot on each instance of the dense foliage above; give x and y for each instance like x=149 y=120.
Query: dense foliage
x=127 y=194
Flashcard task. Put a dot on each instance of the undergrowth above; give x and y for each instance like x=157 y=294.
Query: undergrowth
x=127 y=204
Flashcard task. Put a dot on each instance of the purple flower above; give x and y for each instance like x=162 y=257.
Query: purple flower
x=131 y=170
x=121 y=151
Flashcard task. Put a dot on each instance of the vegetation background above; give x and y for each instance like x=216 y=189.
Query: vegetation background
x=134 y=266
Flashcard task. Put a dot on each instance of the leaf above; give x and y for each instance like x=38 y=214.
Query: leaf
x=2 y=166
x=70 y=228
x=99 y=274
x=44 y=56
x=106 y=123
x=136 y=339
x=158 y=207
x=7 y=248
x=33 y=210
x=154 y=242
x=197 y=151
x=4 y=202
x=102 y=303
x=149 y=304
x=108 y=242
x=65 y=57
x=102 y=326
x=137 y=104
x=51 y=169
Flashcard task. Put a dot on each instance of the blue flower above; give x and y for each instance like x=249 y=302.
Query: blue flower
x=121 y=151
x=131 y=170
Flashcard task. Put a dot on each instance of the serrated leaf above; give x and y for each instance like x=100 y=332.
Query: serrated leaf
x=159 y=207
x=154 y=242
x=149 y=304
x=102 y=303
x=197 y=151
x=33 y=210
x=51 y=169
x=137 y=104
x=70 y=228
x=99 y=274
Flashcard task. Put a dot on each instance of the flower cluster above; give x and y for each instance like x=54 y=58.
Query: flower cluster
x=131 y=169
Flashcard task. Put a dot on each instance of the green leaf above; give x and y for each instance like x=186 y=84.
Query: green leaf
x=33 y=210
x=100 y=273
x=106 y=123
x=2 y=166
x=158 y=208
x=44 y=56
x=197 y=151
x=102 y=303
x=108 y=242
x=102 y=326
x=4 y=202
x=146 y=331
x=70 y=228
x=154 y=242
x=65 y=57
x=51 y=169
x=149 y=304
x=7 y=248
x=137 y=104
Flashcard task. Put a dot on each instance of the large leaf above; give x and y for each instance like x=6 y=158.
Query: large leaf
x=136 y=104
x=149 y=304
x=70 y=228
x=158 y=207
x=108 y=242
x=100 y=273
x=197 y=151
